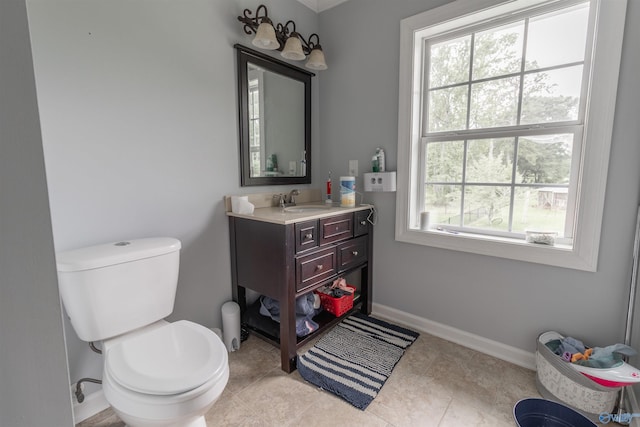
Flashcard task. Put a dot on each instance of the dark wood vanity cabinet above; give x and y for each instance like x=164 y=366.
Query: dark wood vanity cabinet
x=286 y=261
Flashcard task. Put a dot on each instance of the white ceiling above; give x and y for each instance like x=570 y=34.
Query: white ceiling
x=320 y=5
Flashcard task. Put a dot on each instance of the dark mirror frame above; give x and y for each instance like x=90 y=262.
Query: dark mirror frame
x=244 y=56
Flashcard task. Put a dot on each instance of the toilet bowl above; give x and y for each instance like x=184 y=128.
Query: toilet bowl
x=167 y=374
x=155 y=373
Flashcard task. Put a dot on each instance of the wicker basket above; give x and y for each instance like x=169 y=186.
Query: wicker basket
x=558 y=381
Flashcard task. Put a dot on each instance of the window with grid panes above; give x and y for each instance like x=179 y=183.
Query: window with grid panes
x=501 y=132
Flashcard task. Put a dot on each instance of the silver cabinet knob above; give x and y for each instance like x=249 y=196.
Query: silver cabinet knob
x=363 y=222
x=319 y=267
x=308 y=236
x=355 y=253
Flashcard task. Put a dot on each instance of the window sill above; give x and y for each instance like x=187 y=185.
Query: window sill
x=559 y=255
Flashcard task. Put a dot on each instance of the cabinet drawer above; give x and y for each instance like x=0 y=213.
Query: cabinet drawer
x=361 y=223
x=306 y=235
x=336 y=228
x=315 y=267
x=352 y=253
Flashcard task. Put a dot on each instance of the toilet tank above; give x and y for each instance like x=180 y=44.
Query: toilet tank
x=114 y=288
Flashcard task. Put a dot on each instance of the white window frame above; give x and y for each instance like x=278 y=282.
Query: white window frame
x=598 y=126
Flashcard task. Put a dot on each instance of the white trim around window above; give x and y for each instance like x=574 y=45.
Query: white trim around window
x=603 y=86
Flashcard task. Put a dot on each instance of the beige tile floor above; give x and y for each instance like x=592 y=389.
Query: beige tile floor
x=436 y=383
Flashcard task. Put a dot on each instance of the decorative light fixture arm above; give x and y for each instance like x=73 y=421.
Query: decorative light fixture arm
x=251 y=23
x=279 y=37
x=283 y=32
x=308 y=46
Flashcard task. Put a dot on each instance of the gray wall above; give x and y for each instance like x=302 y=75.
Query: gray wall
x=139 y=121
x=34 y=387
x=503 y=300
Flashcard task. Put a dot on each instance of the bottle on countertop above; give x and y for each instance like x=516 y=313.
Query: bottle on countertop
x=381 y=160
x=329 y=200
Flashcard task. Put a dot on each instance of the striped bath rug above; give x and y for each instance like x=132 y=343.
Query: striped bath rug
x=355 y=358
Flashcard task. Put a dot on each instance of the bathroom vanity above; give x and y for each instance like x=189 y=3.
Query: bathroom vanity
x=284 y=254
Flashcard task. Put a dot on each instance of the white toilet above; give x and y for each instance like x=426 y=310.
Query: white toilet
x=155 y=373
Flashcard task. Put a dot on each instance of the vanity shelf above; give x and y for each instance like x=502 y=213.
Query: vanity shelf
x=269 y=330
x=286 y=255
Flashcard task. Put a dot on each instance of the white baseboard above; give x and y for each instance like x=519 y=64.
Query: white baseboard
x=93 y=403
x=492 y=348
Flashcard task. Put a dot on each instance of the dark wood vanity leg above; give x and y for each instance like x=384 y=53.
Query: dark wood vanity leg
x=367 y=276
x=288 y=337
x=288 y=340
x=238 y=293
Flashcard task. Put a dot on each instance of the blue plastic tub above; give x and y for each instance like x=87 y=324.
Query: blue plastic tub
x=546 y=413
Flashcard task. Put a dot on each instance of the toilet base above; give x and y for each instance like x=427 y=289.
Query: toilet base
x=197 y=422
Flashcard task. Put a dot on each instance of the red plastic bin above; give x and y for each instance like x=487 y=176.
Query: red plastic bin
x=337 y=306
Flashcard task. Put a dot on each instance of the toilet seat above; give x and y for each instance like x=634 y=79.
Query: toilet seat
x=168 y=360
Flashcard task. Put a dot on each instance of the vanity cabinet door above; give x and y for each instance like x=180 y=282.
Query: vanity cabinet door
x=352 y=253
x=336 y=228
x=306 y=235
x=361 y=223
x=314 y=268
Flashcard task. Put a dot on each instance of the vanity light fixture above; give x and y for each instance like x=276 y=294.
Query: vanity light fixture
x=284 y=38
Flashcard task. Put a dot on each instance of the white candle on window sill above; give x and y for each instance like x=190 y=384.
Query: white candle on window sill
x=425 y=220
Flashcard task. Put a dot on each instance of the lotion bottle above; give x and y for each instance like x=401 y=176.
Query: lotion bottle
x=380 y=155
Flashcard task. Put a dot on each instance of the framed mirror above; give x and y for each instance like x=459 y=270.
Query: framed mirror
x=274 y=101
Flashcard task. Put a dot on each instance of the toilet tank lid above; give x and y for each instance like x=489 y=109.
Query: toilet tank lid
x=113 y=253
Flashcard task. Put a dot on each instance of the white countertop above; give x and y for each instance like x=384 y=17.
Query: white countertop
x=277 y=215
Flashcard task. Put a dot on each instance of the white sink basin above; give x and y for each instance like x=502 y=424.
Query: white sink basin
x=307 y=208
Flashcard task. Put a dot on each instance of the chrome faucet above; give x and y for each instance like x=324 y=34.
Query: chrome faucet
x=282 y=200
x=292 y=195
